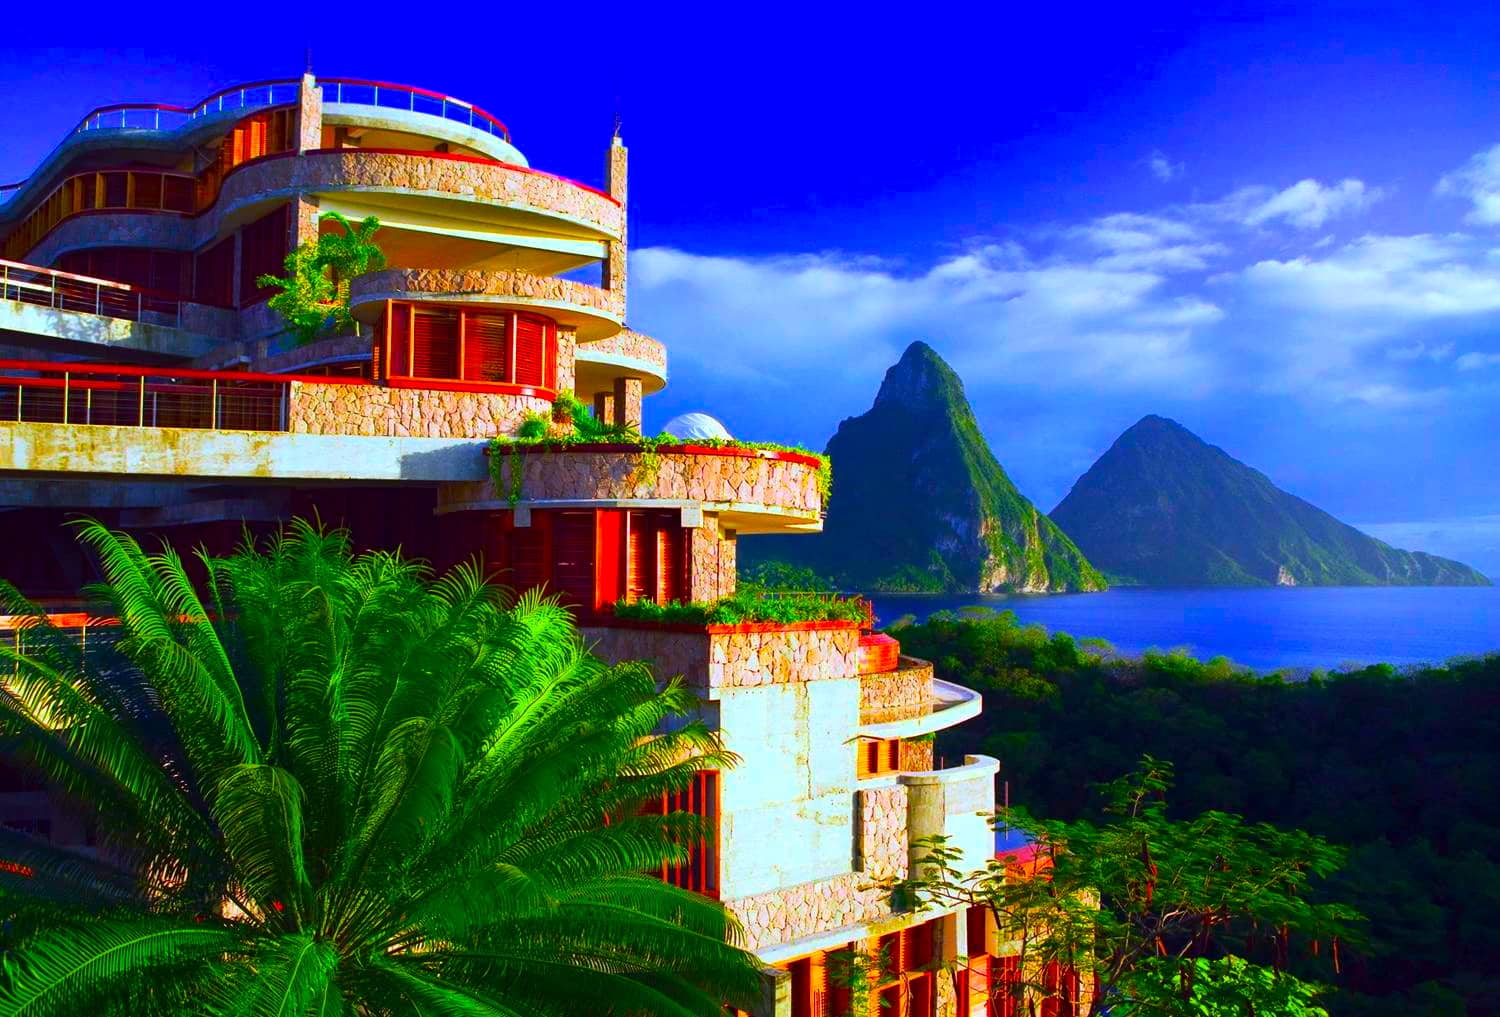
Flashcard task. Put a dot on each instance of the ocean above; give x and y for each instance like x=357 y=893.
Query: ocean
x=1301 y=627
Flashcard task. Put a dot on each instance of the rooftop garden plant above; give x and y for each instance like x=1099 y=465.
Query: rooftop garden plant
x=314 y=296
x=573 y=423
x=747 y=606
x=329 y=783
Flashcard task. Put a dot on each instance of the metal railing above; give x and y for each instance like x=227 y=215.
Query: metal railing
x=65 y=291
x=153 y=116
x=414 y=100
x=123 y=395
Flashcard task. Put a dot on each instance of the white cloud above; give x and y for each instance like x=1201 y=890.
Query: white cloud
x=1477 y=361
x=1478 y=180
x=1163 y=168
x=1308 y=204
x=1420 y=351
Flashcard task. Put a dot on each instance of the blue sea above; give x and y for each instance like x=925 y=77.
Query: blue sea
x=1300 y=628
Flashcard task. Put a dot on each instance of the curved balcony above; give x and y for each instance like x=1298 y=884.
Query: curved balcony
x=594 y=312
x=909 y=702
x=752 y=491
x=514 y=197
x=626 y=355
x=956 y=803
x=167 y=127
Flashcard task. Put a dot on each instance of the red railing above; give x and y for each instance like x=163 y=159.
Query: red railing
x=47 y=287
x=124 y=395
x=155 y=116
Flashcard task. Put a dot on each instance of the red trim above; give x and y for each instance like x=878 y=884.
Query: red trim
x=491 y=387
x=611 y=622
x=551 y=448
x=135 y=371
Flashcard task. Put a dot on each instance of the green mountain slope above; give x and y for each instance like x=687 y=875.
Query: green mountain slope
x=1164 y=508
x=919 y=502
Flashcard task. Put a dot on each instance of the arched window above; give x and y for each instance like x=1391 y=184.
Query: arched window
x=469 y=347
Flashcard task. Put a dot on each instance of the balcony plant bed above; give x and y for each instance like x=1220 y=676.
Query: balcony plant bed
x=746 y=613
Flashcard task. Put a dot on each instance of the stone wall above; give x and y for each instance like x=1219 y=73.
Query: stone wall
x=916 y=753
x=166 y=231
x=404 y=412
x=735 y=659
x=881 y=836
x=702 y=477
x=634 y=346
x=796 y=912
x=567 y=358
x=893 y=694
x=712 y=572
x=351 y=169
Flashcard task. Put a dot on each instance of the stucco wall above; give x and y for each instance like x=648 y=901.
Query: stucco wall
x=958 y=803
x=787 y=808
x=402 y=412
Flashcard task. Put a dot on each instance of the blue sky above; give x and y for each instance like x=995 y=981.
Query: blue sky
x=1280 y=227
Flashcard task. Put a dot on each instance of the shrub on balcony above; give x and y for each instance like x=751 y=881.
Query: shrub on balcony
x=746 y=606
x=573 y=423
x=314 y=297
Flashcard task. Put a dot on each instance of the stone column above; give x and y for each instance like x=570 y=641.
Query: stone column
x=628 y=402
x=567 y=359
x=309 y=126
x=711 y=555
x=614 y=260
x=604 y=407
x=775 y=994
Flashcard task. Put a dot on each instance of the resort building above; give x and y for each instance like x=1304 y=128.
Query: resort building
x=145 y=382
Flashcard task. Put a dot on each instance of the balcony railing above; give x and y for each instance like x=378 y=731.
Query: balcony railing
x=40 y=392
x=155 y=116
x=65 y=291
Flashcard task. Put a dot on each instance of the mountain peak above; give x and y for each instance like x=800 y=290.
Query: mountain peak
x=921 y=379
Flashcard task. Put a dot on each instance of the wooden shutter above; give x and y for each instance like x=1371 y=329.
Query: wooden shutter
x=528 y=557
x=399 y=324
x=434 y=340
x=486 y=347
x=531 y=342
x=669 y=559
x=573 y=558
x=639 y=540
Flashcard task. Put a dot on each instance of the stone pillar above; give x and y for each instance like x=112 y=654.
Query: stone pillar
x=309 y=127
x=604 y=407
x=567 y=359
x=628 y=402
x=614 y=260
x=711 y=558
x=775 y=994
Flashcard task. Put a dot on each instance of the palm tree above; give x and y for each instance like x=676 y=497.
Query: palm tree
x=337 y=786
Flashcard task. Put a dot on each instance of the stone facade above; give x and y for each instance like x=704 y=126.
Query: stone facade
x=714 y=478
x=309 y=126
x=797 y=912
x=892 y=695
x=916 y=754
x=712 y=571
x=628 y=403
x=404 y=412
x=462 y=284
x=616 y=174
x=882 y=833
x=567 y=358
x=736 y=656
x=163 y=231
x=352 y=170
x=631 y=345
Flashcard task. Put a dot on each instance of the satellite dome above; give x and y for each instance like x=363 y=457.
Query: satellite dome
x=696 y=425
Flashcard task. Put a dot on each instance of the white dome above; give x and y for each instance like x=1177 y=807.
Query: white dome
x=696 y=425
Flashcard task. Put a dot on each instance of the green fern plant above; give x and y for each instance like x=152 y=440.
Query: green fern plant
x=332 y=784
x=313 y=296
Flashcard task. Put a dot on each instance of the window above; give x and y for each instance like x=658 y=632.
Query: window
x=700 y=873
x=213 y=274
x=1061 y=984
x=906 y=984
x=263 y=249
x=478 y=347
x=810 y=988
x=877 y=756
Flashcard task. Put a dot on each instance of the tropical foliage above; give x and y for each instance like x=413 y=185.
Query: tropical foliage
x=335 y=785
x=747 y=605
x=1398 y=767
x=314 y=294
x=1150 y=906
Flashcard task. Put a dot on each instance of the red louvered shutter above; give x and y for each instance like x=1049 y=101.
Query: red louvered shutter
x=486 y=347
x=435 y=344
x=638 y=543
x=400 y=326
x=531 y=342
x=669 y=560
